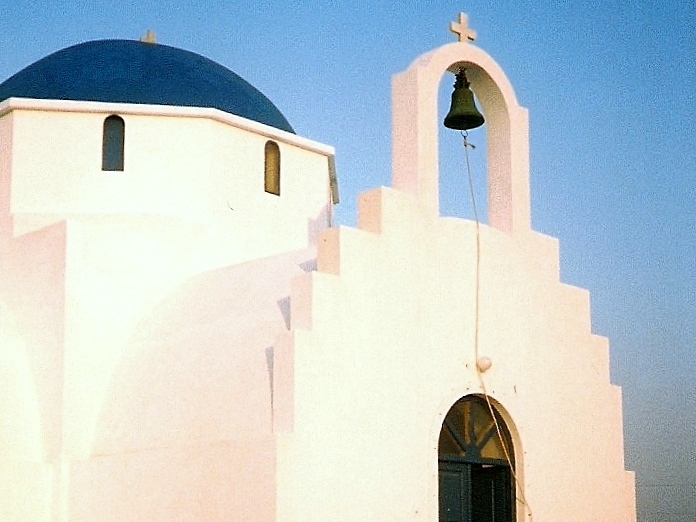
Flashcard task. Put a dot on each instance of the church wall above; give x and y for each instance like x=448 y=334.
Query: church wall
x=387 y=346
x=224 y=481
x=159 y=365
x=25 y=483
x=5 y=161
x=31 y=336
x=187 y=167
x=135 y=235
x=33 y=288
x=179 y=393
x=25 y=490
x=20 y=425
x=189 y=202
x=117 y=269
x=5 y=170
x=261 y=220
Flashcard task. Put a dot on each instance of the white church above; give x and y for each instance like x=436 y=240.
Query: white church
x=185 y=336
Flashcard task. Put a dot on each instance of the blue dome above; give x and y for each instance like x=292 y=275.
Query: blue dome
x=128 y=71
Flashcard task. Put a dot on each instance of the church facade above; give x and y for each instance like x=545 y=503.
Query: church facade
x=185 y=335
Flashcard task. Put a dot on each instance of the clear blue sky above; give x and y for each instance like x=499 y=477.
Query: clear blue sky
x=610 y=92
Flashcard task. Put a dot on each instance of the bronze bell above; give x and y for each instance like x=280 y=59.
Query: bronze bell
x=463 y=114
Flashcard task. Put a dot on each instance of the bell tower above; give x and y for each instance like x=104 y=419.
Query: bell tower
x=433 y=365
x=416 y=127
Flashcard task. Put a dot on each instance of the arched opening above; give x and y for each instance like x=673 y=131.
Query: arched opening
x=271 y=179
x=113 y=141
x=475 y=460
x=415 y=147
x=453 y=184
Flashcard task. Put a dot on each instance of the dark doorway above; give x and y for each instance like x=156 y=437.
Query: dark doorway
x=475 y=459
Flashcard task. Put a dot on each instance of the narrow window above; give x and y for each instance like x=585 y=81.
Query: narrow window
x=272 y=168
x=113 y=139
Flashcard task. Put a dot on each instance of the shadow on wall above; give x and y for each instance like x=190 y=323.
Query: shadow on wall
x=196 y=369
x=321 y=222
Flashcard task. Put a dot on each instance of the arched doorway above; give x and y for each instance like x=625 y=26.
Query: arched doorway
x=475 y=459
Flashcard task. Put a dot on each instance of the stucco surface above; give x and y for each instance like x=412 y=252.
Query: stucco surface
x=190 y=167
x=198 y=412
x=385 y=344
x=137 y=331
x=392 y=324
x=180 y=345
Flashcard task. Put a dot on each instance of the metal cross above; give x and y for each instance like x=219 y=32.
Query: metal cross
x=462 y=30
x=149 y=37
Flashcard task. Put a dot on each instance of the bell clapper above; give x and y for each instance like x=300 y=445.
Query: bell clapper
x=465 y=137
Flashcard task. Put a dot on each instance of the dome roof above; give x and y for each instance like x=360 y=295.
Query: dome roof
x=129 y=71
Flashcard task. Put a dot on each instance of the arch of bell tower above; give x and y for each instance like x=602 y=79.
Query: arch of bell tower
x=415 y=131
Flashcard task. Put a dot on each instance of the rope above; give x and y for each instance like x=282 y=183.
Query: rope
x=518 y=484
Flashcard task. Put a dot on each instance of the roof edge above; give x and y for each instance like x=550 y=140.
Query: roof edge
x=31 y=104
